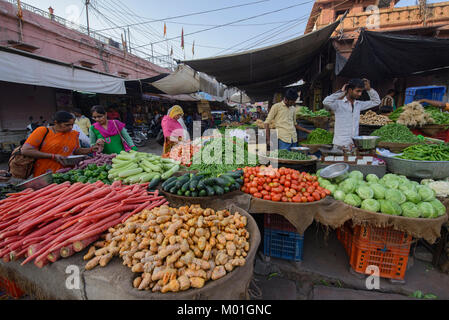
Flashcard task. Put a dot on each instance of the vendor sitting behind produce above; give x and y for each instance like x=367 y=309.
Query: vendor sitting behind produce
x=283 y=115
x=173 y=130
x=388 y=105
x=347 y=109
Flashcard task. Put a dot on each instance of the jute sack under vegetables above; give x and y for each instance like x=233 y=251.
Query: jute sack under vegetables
x=301 y=215
x=428 y=229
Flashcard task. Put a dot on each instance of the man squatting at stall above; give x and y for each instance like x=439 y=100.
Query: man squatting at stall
x=347 y=109
x=283 y=114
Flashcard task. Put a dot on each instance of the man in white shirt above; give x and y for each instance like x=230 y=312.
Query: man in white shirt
x=347 y=109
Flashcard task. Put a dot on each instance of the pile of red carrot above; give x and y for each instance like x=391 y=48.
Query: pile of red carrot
x=62 y=219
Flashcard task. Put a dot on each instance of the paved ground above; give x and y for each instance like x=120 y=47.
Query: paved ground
x=324 y=274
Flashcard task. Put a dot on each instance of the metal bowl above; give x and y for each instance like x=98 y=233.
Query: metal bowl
x=72 y=160
x=335 y=170
x=37 y=182
x=418 y=169
x=366 y=142
x=304 y=150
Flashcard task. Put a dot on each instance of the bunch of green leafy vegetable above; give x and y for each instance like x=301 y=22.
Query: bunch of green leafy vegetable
x=206 y=161
x=319 y=136
x=427 y=152
x=288 y=155
x=396 y=114
x=438 y=116
x=306 y=112
x=395 y=132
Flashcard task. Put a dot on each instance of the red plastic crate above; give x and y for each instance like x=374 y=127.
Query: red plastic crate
x=11 y=288
x=278 y=222
x=385 y=248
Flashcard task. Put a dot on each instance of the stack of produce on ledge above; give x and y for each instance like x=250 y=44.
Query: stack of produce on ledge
x=286 y=185
x=440 y=187
x=91 y=174
x=173 y=250
x=371 y=118
x=215 y=158
x=138 y=167
x=99 y=160
x=289 y=155
x=319 y=136
x=62 y=219
x=431 y=152
x=204 y=184
x=392 y=194
x=397 y=133
x=306 y=112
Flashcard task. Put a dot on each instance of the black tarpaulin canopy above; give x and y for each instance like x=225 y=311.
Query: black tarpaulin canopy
x=379 y=55
x=262 y=72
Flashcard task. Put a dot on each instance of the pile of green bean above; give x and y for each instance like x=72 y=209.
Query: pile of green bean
x=288 y=155
x=395 y=132
x=432 y=152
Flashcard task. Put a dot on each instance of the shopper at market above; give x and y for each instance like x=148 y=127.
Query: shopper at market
x=172 y=128
x=111 y=134
x=58 y=142
x=283 y=114
x=347 y=109
x=82 y=121
x=388 y=104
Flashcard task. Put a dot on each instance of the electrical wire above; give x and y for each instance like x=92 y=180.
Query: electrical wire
x=195 y=13
x=233 y=22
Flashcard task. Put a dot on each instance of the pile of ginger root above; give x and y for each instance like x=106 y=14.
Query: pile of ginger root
x=414 y=115
x=174 y=249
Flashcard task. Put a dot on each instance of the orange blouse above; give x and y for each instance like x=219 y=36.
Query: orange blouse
x=55 y=143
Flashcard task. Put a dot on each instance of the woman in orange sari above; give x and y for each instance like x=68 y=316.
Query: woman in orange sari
x=58 y=142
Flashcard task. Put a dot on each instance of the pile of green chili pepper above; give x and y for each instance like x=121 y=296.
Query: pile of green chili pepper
x=432 y=152
x=395 y=132
x=438 y=115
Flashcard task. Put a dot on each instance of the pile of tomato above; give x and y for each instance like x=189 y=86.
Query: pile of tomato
x=182 y=152
x=283 y=184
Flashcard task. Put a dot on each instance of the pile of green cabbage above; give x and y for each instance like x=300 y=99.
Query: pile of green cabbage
x=392 y=194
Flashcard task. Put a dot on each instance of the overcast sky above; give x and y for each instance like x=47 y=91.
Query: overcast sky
x=265 y=30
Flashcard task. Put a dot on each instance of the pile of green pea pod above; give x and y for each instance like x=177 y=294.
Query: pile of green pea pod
x=426 y=152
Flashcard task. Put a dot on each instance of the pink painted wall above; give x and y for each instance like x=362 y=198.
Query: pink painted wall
x=60 y=43
x=18 y=102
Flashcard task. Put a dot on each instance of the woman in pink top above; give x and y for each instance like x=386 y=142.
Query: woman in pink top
x=173 y=130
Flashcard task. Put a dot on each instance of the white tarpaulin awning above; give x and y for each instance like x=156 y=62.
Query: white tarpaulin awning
x=22 y=67
x=183 y=80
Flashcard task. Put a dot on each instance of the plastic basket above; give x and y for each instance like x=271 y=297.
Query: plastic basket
x=427 y=92
x=10 y=288
x=391 y=260
x=386 y=248
x=283 y=244
x=381 y=236
x=277 y=222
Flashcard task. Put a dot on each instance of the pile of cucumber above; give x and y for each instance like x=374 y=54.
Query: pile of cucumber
x=203 y=185
x=139 y=167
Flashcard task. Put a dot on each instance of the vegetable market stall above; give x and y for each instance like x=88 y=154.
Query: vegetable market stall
x=116 y=281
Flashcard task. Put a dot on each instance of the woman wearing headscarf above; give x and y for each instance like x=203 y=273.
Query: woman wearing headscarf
x=174 y=131
x=111 y=134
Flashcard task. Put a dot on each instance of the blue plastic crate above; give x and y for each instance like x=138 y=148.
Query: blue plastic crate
x=428 y=92
x=283 y=244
